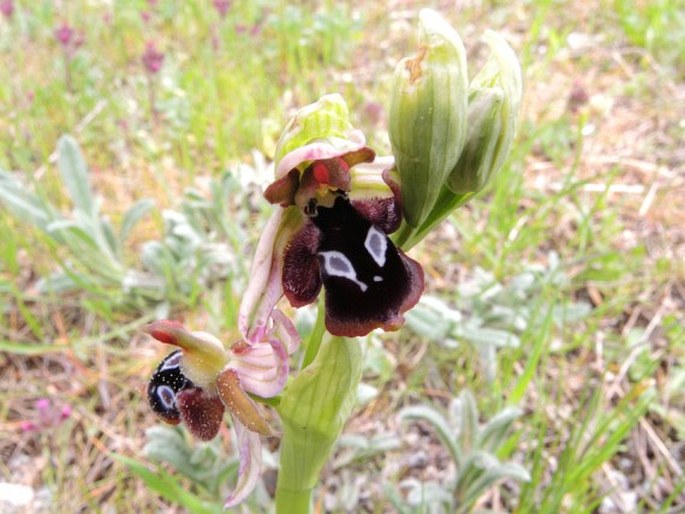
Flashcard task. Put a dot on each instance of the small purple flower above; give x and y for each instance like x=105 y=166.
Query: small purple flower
x=222 y=7
x=69 y=39
x=152 y=58
x=47 y=415
x=7 y=8
x=374 y=112
x=64 y=34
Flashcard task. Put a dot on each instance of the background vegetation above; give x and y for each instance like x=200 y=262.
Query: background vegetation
x=560 y=290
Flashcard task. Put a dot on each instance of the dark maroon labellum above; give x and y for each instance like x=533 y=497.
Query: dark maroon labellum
x=366 y=278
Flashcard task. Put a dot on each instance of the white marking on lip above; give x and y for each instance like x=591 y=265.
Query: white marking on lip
x=166 y=396
x=377 y=245
x=377 y=278
x=336 y=264
x=172 y=361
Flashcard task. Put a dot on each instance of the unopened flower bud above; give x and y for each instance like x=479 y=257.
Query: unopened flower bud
x=484 y=127
x=494 y=101
x=428 y=115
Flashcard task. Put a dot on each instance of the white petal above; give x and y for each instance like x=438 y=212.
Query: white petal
x=250 y=454
x=265 y=287
x=268 y=377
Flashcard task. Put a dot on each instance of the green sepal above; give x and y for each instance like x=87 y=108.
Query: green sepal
x=325 y=118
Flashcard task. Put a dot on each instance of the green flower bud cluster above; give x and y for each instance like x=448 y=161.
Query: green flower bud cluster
x=428 y=114
x=449 y=139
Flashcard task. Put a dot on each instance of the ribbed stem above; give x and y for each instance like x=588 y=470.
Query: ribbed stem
x=293 y=502
x=314 y=408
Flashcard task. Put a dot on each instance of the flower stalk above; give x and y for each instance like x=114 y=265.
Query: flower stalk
x=313 y=409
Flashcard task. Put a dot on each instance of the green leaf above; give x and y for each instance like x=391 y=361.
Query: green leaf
x=70 y=231
x=492 y=435
x=133 y=216
x=482 y=336
x=27 y=348
x=395 y=498
x=108 y=242
x=446 y=434
x=56 y=283
x=465 y=414
x=74 y=172
x=491 y=470
x=25 y=206
x=167 y=486
x=434 y=319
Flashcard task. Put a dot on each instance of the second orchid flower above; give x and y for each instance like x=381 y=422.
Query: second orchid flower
x=197 y=383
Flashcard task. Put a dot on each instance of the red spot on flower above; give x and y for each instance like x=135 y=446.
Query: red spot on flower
x=324 y=170
x=321 y=173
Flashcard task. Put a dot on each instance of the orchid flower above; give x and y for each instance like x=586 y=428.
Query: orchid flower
x=337 y=203
x=198 y=382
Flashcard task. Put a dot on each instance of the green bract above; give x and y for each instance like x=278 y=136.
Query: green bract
x=428 y=114
x=494 y=101
x=313 y=410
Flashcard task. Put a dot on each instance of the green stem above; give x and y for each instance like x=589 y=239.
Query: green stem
x=406 y=237
x=402 y=234
x=294 y=502
x=314 y=408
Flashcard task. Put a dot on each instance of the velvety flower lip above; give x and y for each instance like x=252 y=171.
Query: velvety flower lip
x=369 y=282
x=196 y=384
